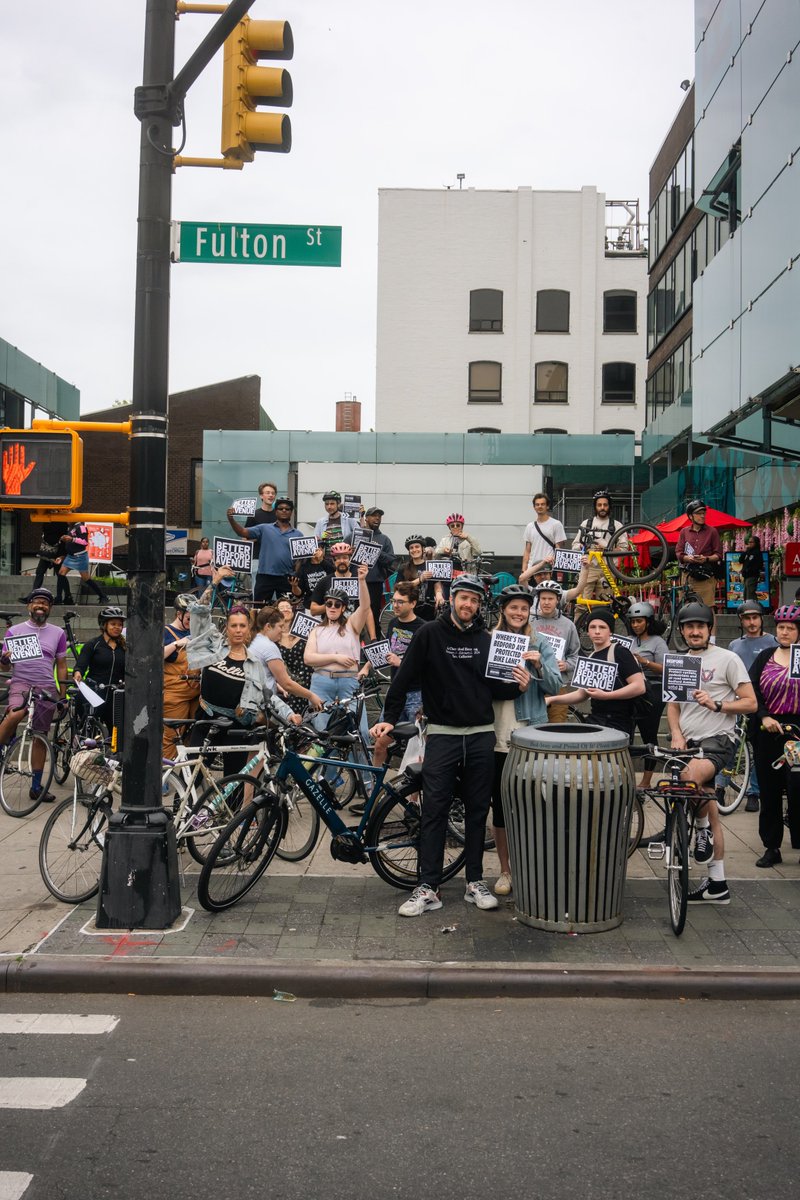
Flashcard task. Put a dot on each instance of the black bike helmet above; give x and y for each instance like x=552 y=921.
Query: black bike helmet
x=331 y=496
x=515 y=591
x=750 y=606
x=695 y=610
x=334 y=593
x=415 y=539
x=467 y=583
x=111 y=613
x=602 y=494
x=694 y=506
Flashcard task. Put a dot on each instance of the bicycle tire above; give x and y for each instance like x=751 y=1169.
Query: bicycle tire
x=16 y=774
x=659 y=554
x=61 y=739
x=737 y=778
x=221 y=801
x=666 y=616
x=677 y=867
x=456 y=823
x=219 y=611
x=241 y=854
x=302 y=826
x=637 y=825
x=71 y=847
x=392 y=842
x=582 y=626
x=387 y=612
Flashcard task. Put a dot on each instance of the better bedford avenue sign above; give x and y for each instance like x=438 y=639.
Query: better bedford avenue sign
x=278 y=245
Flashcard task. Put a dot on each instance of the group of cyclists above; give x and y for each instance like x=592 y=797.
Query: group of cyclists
x=437 y=656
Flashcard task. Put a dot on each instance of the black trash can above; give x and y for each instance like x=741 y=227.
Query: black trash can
x=568 y=793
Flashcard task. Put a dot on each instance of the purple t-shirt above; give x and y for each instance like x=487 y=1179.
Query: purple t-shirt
x=29 y=668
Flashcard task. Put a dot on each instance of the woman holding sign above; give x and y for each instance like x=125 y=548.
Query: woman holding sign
x=333 y=649
x=528 y=708
x=271 y=624
x=616 y=677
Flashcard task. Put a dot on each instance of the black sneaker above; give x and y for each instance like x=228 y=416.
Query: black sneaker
x=752 y=804
x=42 y=797
x=703 y=845
x=769 y=858
x=710 y=891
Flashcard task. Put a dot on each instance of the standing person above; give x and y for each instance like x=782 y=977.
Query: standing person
x=48 y=557
x=528 y=708
x=181 y=686
x=648 y=649
x=292 y=649
x=274 y=560
x=402 y=628
x=747 y=648
x=709 y=720
x=385 y=564
x=341 y=554
x=543 y=536
x=447 y=661
x=414 y=569
x=548 y=619
x=458 y=545
x=202 y=566
x=614 y=709
x=35 y=673
x=335 y=526
x=102 y=660
x=752 y=566
x=265 y=512
x=333 y=649
x=699 y=552
x=75 y=557
x=270 y=624
x=778 y=701
x=308 y=574
x=595 y=532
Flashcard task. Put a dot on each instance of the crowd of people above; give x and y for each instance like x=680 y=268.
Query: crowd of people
x=437 y=654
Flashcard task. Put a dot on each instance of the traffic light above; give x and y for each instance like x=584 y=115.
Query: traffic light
x=40 y=470
x=246 y=85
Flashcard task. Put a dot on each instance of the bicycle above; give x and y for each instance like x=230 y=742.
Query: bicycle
x=678 y=802
x=387 y=835
x=623 y=560
x=75 y=723
x=17 y=796
x=223 y=599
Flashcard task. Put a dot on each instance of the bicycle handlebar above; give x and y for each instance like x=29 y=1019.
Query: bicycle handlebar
x=652 y=750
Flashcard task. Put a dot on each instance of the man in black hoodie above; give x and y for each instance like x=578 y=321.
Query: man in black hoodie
x=446 y=660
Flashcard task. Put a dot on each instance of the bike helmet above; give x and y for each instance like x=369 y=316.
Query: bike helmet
x=332 y=496
x=695 y=610
x=750 y=606
x=602 y=494
x=642 y=609
x=695 y=506
x=549 y=585
x=467 y=583
x=41 y=594
x=457 y=517
x=415 y=539
x=183 y=601
x=515 y=591
x=788 y=612
x=340 y=548
x=112 y=613
x=334 y=593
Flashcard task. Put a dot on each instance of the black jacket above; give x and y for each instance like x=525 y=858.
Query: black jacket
x=448 y=665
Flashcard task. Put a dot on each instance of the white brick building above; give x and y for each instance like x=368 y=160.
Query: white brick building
x=508 y=311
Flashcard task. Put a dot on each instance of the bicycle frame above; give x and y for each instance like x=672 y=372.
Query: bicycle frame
x=292 y=767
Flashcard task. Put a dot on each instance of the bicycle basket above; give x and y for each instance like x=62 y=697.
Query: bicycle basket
x=91 y=767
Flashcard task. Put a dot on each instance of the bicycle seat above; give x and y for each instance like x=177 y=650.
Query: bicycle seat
x=177 y=722
x=213 y=723
x=413 y=770
x=68 y=616
x=401 y=733
x=9 y=616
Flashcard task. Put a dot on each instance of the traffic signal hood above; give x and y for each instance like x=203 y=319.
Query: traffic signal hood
x=245 y=85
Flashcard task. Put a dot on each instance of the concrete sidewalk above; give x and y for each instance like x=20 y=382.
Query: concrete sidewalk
x=321 y=920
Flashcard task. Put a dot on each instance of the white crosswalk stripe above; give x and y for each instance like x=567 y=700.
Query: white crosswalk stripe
x=13 y=1184
x=57 y=1023
x=39 y=1091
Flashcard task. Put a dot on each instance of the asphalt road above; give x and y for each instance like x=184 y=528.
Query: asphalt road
x=191 y=1098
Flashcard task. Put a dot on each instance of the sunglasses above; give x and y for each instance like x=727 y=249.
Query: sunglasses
x=456 y=525
x=333 y=604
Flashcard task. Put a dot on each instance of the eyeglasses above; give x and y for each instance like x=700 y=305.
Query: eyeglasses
x=333 y=604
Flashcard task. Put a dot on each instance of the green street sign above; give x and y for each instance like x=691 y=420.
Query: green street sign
x=278 y=245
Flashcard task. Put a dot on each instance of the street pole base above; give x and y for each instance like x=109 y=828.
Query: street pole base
x=139 y=881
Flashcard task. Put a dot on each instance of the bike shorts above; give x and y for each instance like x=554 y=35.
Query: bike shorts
x=43 y=713
x=718 y=751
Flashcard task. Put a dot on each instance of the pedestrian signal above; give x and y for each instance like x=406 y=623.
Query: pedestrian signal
x=40 y=469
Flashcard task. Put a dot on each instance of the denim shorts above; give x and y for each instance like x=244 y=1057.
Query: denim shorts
x=77 y=562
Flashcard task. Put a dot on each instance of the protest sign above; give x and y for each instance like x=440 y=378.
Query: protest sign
x=794 y=662
x=365 y=554
x=559 y=644
x=230 y=552
x=620 y=640
x=302 y=625
x=351 y=505
x=681 y=678
x=346 y=584
x=567 y=560
x=595 y=673
x=23 y=647
x=505 y=653
x=440 y=568
x=377 y=652
x=246 y=507
x=302 y=547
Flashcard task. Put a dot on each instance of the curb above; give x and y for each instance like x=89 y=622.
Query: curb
x=373 y=980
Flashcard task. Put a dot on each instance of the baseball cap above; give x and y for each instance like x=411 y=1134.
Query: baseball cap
x=374 y=512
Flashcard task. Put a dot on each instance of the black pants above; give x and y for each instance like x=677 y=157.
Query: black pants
x=446 y=757
x=270 y=587
x=63 y=593
x=375 y=590
x=769 y=747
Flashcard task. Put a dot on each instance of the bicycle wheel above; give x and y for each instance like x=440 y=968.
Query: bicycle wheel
x=582 y=626
x=16 y=774
x=241 y=854
x=677 y=867
x=71 y=847
x=302 y=826
x=219 y=610
x=666 y=617
x=392 y=838
x=637 y=825
x=641 y=560
x=456 y=824
x=208 y=814
x=387 y=612
x=61 y=739
x=736 y=777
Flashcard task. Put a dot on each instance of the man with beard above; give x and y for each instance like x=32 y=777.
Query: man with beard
x=594 y=534
x=34 y=648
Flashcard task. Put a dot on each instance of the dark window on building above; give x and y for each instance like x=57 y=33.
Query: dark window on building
x=483 y=429
x=551 y=383
x=196 y=491
x=619 y=312
x=619 y=383
x=485 y=382
x=617 y=431
x=486 y=311
x=552 y=311
x=549 y=429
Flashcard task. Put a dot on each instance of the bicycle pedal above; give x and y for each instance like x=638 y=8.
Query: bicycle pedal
x=657 y=850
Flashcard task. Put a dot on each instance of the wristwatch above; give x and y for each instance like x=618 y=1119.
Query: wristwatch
x=718 y=705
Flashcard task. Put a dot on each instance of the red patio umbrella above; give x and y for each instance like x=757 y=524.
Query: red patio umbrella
x=671 y=529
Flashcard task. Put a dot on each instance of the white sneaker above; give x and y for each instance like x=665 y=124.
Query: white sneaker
x=478 y=894
x=503 y=886
x=423 y=899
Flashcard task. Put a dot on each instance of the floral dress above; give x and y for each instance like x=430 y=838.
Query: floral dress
x=298 y=671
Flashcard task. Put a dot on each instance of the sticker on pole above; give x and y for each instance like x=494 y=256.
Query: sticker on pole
x=100 y=543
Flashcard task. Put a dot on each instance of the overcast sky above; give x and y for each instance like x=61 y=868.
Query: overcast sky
x=519 y=92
